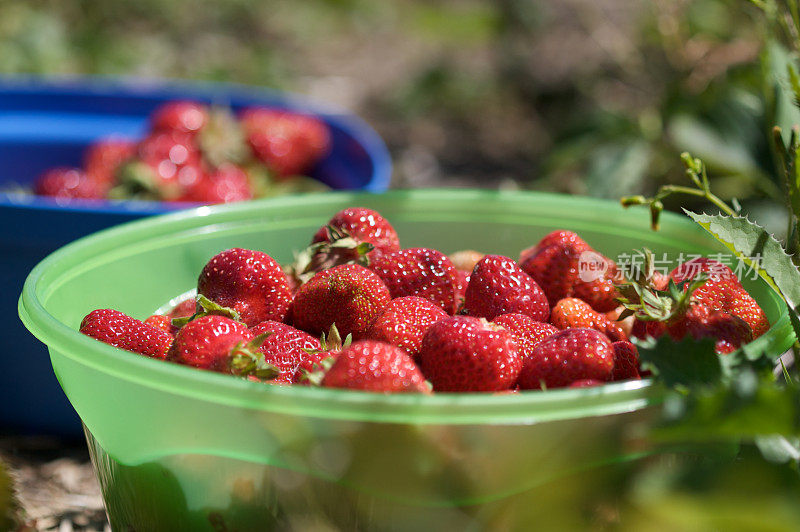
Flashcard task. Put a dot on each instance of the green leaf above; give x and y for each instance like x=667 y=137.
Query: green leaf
x=791 y=172
x=779 y=449
x=617 y=167
x=687 y=363
x=785 y=113
x=749 y=406
x=749 y=241
x=725 y=153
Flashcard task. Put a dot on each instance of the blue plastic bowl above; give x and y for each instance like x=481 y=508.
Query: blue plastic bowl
x=46 y=123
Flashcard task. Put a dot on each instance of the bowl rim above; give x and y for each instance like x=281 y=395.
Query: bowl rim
x=445 y=408
x=166 y=88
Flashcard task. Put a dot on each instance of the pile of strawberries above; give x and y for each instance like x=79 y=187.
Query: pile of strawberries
x=417 y=320
x=197 y=153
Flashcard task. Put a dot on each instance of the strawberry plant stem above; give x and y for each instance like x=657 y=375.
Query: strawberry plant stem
x=667 y=190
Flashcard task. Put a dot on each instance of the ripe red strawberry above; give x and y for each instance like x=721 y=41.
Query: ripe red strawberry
x=498 y=286
x=285 y=347
x=566 y=357
x=314 y=364
x=404 y=322
x=67 y=183
x=120 y=330
x=461 y=289
x=466 y=354
x=352 y=236
x=163 y=322
x=167 y=164
x=555 y=264
x=699 y=321
x=102 y=158
x=312 y=368
x=375 y=366
x=182 y=116
x=250 y=282
x=573 y=313
x=421 y=272
x=723 y=291
x=561 y=238
x=363 y=225
x=626 y=361
x=184 y=309
x=526 y=331
x=226 y=184
x=288 y=143
x=217 y=343
x=348 y=295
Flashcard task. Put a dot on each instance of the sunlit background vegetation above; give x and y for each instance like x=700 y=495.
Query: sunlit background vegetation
x=590 y=97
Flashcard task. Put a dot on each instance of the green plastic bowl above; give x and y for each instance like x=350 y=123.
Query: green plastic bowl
x=180 y=449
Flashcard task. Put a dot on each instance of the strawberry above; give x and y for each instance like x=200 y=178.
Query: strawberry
x=311 y=370
x=226 y=184
x=404 y=322
x=573 y=313
x=422 y=272
x=722 y=291
x=67 y=183
x=217 y=343
x=184 y=309
x=103 y=157
x=182 y=116
x=626 y=324
x=703 y=305
x=352 y=236
x=467 y=354
x=374 y=366
x=466 y=259
x=363 y=225
x=288 y=143
x=699 y=321
x=168 y=163
x=284 y=347
x=120 y=330
x=526 y=331
x=249 y=282
x=559 y=238
x=498 y=286
x=348 y=295
x=555 y=264
x=461 y=288
x=163 y=322
x=568 y=356
x=626 y=361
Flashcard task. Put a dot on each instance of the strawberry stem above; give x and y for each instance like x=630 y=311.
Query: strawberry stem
x=207 y=308
x=696 y=170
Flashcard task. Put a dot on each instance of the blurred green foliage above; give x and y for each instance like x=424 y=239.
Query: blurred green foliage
x=582 y=96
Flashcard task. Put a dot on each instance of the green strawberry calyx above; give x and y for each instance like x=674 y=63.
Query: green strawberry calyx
x=646 y=303
x=332 y=342
x=247 y=360
x=207 y=307
x=317 y=373
x=341 y=248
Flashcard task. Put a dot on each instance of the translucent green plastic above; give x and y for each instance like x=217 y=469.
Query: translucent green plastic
x=181 y=449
